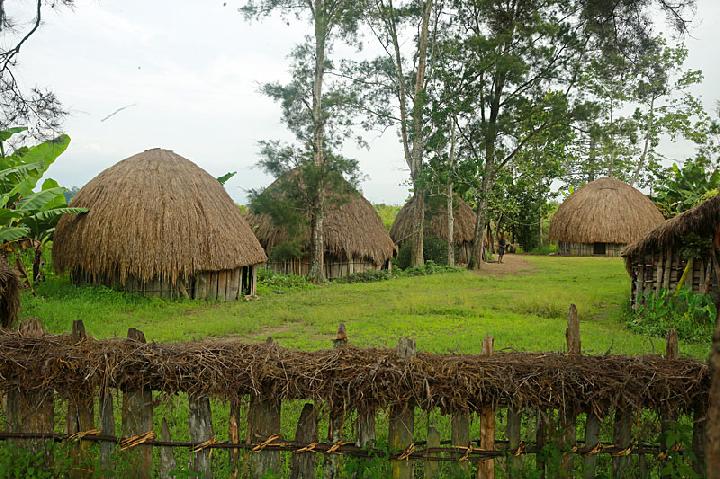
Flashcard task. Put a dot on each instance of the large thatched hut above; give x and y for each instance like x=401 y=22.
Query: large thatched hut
x=685 y=245
x=160 y=225
x=9 y=293
x=436 y=224
x=354 y=235
x=601 y=218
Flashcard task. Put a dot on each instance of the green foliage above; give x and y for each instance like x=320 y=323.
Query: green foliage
x=691 y=314
x=287 y=250
x=269 y=281
x=434 y=250
x=387 y=214
x=224 y=178
x=428 y=268
x=678 y=189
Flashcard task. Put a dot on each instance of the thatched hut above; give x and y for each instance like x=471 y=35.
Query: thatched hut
x=160 y=225
x=9 y=294
x=601 y=218
x=685 y=245
x=354 y=235
x=436 y=224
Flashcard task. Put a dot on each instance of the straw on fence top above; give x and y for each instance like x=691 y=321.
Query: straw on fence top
x=359 y=378
x=351 y=226
x=154 y=215
x=436 y=224
x=702 y=220
x=604 y=211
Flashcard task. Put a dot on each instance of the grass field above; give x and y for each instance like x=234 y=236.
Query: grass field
x=523 y=304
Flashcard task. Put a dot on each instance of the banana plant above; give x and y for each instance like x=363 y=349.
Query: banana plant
x=28 y=217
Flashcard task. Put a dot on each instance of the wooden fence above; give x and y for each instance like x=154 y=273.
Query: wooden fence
x=31 y=420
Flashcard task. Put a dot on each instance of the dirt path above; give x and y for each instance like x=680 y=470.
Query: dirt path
x=512 y=264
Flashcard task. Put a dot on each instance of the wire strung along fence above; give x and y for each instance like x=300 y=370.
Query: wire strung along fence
x=541 y=400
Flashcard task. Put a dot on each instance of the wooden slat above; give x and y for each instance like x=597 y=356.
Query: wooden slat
x=431 y=469
x=233 y=286
x=401 y=428
x=460 y=436
x=592 y=438
x=366 y=428
x=515 y=468
x=79 y=416
x=222 y=285
x=107 y=427
x=486 y=469
x=167 y=456
x=263 y=422
x=621 y=439
x=201 y=286
x=302 y=465
x=200 y=425
x=137 y=410
x=541 y=438
x=234 y=435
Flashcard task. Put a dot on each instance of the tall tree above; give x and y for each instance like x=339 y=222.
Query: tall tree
x=305 y=103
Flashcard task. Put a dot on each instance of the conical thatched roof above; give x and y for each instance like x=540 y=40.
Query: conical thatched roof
x=154 y=215
x=352 y=228
x=436 y=220
x=702 y=220
x=604 y=211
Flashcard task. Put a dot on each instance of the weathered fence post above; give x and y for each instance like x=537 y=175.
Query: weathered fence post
x=201 y=431
x=80 y=414
x=486 y=468
x=401 y=428
x=432 y=468
x=460 y=436
x=712 y=427
x=32 y=411
x=592 y=440
x=621 y=439
x=234 y=435
x=337 y=417
x=668 y=418
x=366 y=427
x=514 y=461
x=263 y=423
x=541 y=437
x=568 y=414
x=137 y=420
x=167 y=457
x=302 y=465
x=107 y=428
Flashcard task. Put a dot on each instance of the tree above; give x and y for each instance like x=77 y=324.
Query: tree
x=307 y=106
x=515 y=66
x=38 y=107
x=28 y=217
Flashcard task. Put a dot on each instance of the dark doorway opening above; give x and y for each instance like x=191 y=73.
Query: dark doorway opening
x=599 y=249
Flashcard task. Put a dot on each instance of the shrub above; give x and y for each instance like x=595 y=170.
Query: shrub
x=279 y=283
x=691 y=314
x=434 y=249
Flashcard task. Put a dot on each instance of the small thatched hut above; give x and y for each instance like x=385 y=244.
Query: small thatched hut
x=354 y=235
x=160 y=225
x=601 y=218
x=436 y=224
x=9 y=294
x=686 y=244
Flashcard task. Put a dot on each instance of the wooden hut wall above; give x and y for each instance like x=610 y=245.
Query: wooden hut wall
x=334 y=267
x=225 y=285
x=588 y=249
x=651 y=273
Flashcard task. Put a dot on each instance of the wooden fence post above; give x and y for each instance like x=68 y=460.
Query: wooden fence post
x=486 y=468
x=167 y=457
x=432 y=468
x=107 y=428
x=668 y=418
x=80 y=415
x=712 y=427
x=460 y=436
x=514 y=462
x=622 y=439
x=568 y=414
x=541 y=437
x=366 y=428
x=137 y=419
x=200 y=425
x=302 y=465
x=592 y=439
x=333 y=462
x=401 y=428
x=234 y=435
x=263 y=422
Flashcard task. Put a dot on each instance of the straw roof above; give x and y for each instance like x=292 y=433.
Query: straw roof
x=9 y=293
x=154 y=215
x=702 y=220
x=351 y=227
x=604 y=211
x=436 y=220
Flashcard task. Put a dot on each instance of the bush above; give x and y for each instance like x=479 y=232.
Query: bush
x=269 y=280
x=365 y=277
x=381 y=275
x=691 y=314
x=434 y=249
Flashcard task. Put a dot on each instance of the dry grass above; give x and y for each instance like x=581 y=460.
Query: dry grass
x=154 y=215
x=702 y=220
x=605 y=211
x=352 y=227
x=436 y=221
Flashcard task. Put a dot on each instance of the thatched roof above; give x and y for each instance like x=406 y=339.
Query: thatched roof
x=436 y=220
x=154 y=215
x=351 y=228
x=702 y=220
x=604 y=211
x=9 y=294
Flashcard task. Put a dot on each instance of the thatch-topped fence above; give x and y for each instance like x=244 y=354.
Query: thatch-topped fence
x=552 y=391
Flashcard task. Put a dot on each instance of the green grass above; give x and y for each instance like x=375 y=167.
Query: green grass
x=444 y=312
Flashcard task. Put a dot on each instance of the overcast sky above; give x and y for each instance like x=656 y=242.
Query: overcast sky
x=190 y=71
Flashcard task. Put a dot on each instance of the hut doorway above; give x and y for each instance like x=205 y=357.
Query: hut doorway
x=599 y=249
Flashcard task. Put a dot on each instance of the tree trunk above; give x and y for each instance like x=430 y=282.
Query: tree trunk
x=317 y=260
x=477 y=253
x=418 y=143
x=450 y=193
x=646 y=147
